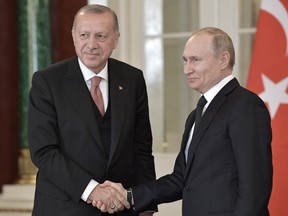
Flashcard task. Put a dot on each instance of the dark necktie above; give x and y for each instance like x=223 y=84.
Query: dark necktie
x=96 y=94
x=199 y=109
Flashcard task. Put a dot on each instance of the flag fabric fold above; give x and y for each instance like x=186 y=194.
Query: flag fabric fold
x=268 y=77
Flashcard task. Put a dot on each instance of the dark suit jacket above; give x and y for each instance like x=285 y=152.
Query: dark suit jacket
x=229 y=170
x=65 y=142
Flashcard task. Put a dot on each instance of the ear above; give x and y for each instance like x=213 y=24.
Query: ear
x=116 y=40
x=224 y=60
x=73 y=36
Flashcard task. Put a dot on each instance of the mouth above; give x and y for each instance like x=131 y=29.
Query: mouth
x=190 y=79
x=91 y=54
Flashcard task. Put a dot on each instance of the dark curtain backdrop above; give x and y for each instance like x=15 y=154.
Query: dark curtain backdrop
x=62 y=14
x=9 y=98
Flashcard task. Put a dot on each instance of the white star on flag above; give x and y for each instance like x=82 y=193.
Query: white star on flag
x=270 y=56
x=274 y=94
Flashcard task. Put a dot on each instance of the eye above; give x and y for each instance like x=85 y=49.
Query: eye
x=196 y=59
x=102 y=37
x=83 y=36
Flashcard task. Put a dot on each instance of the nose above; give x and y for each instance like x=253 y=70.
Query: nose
x=92 y=42
x=187 y=68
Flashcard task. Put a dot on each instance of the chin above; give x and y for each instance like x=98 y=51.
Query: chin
x=91 y=62
x=191 y=85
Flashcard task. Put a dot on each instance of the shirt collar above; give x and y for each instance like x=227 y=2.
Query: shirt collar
x=211 y=93
x=88 y=74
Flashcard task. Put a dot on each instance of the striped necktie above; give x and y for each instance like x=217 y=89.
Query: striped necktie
x=96 y=94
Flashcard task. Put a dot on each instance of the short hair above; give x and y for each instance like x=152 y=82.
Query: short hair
x=221 y=42
x=97 y=9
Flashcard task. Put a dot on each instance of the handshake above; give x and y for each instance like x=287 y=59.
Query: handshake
x=109 y=197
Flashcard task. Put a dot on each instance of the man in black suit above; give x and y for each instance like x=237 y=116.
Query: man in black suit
x=73 y=144
x=224 y=166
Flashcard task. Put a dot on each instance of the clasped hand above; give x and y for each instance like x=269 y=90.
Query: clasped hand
x=109 y=197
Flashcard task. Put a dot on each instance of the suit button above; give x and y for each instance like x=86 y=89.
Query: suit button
x=186 y=188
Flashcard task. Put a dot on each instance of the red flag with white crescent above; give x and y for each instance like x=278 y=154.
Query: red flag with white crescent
x=268 y=77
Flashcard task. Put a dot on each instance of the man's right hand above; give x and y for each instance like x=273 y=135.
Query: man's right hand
x=111 y=199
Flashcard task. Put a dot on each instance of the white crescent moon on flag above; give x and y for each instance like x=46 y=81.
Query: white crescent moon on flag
x=277 y=9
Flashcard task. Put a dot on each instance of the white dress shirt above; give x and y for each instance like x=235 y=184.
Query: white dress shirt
x=209 y=95
x=88 y=75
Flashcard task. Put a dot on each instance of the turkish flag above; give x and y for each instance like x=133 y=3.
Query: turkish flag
x=268 y=77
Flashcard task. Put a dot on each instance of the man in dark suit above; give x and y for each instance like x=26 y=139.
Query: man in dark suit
x=224 y=166
x=73 y=144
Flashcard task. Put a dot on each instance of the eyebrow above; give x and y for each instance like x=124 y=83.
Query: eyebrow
x=192 y=57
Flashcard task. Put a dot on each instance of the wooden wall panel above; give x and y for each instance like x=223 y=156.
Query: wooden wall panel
x=9 y=110
x=62 y=15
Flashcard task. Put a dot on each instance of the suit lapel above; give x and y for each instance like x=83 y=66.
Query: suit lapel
x=204 y=123
x=208 y=116
x=188 y=126
x=118 y=87
x=79 y=95
x=185 y=137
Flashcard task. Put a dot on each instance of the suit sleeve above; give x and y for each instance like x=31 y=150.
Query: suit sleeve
x=44 y=143
x=166 y=189
x=250 y=134
x=144 y=160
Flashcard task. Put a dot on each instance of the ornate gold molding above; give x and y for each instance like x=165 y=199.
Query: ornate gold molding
x=27 y=170
x=24 y=210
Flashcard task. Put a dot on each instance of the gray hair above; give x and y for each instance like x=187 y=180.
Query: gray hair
x=221 y=42
x=97 y=9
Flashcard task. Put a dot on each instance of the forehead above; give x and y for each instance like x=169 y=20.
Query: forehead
x=198 y=45
x=90 y=21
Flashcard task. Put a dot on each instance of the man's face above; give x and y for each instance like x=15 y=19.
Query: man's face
x=94 y=39
x=201 y=67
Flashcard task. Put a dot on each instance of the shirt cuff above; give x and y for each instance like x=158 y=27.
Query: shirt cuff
x=92 y=184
